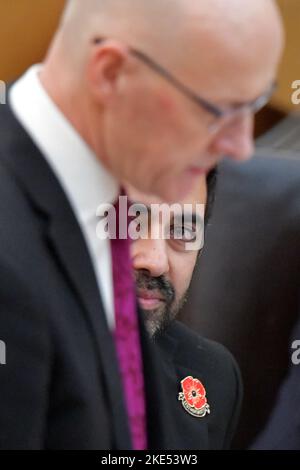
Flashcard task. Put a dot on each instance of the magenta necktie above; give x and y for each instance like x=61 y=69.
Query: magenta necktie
x=127 y=337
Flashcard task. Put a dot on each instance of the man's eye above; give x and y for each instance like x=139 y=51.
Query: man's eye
x=181 y=233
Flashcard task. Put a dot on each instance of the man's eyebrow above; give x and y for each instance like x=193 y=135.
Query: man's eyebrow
x=193 y=217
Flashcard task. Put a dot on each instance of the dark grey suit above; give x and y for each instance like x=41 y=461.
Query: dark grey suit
x=60 y=388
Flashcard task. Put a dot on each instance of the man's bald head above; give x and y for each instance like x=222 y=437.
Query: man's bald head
x=163 y=26
x=144 y=129
x=132 y=21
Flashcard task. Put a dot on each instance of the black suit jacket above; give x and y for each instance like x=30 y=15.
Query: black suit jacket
x=245 y=292
x=60 y=388
x=185 y=353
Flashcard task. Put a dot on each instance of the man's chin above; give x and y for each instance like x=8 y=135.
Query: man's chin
x=159 y=319
x=156 y=320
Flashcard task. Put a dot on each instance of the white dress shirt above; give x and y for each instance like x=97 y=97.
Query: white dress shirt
x=86 y=183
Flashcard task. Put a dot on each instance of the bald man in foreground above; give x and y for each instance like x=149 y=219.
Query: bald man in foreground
x=117 y=99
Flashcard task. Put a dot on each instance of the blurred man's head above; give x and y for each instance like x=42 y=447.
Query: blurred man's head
x=148 y=126
x=164 y=267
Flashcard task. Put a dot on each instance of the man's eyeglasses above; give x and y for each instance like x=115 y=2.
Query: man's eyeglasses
x=221 y=114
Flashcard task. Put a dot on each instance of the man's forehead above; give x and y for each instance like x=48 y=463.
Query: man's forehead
x=197 y=195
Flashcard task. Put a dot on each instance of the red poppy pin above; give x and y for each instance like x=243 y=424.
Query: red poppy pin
x=193 y=397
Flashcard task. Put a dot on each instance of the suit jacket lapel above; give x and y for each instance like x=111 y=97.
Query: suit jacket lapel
x=67 y=243
x=74 y=258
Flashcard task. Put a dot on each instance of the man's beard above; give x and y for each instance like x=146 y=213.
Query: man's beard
x=158 y=319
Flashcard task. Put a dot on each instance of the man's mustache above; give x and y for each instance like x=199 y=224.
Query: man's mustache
x=161 y=284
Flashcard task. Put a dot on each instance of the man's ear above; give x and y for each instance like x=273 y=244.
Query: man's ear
x=105 y=66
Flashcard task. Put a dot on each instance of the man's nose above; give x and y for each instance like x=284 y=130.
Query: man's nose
x=236 y=140
x=151 y=255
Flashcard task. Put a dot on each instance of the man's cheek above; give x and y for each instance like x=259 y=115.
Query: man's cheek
x=180 y=286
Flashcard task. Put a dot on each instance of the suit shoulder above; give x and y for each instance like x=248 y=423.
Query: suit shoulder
x=11 y=196
x=14 y=207
x=195 y=349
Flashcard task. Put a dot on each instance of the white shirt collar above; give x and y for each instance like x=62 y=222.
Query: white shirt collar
x=86 y=182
